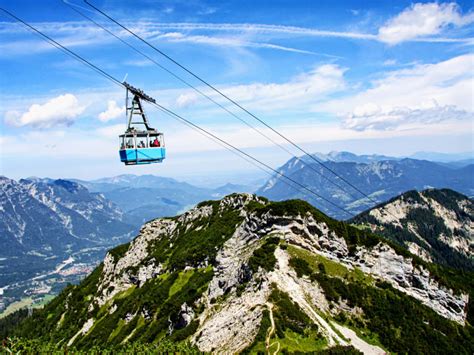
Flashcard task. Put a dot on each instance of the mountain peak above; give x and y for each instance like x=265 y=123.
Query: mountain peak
x=70 y=186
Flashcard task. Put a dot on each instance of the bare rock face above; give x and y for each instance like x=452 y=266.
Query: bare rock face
x=231 y=268
x=415 y=249
x=185 y=317
x=382 y=261
x=115 y=279
x=232 y=325
x=308 y=297
x=236 y=320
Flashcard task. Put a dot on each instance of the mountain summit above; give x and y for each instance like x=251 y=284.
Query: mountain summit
x=244 y=273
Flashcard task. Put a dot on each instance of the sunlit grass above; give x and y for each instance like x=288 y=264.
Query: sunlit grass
x=332 y=268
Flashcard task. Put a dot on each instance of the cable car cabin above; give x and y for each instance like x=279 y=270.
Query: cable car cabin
x=142 y=148
x=140 y=144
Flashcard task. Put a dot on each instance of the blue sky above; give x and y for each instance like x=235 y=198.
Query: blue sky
x=363 y=76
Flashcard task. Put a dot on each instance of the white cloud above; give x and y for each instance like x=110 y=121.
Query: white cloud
x=421 y=20
x=113 y=111
x=405 y=92
x=256 y=28
x=422 y=96
x=296 y=94
x=228 y=41
x=61 y=110
x=17 y=41
x=103 y=143
x=111 y=131
x=390 y=62
x=373 y=117
x=278 y=31
x=207 y=11
x=81 y=33
x=398 y=98
x=309 y=87
x=417 y=23
x=187 y=99
x=139 y=62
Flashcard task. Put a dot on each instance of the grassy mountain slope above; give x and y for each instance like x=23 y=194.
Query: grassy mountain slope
x=246 y=274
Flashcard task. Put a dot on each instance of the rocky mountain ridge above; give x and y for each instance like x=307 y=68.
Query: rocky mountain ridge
x=436 y=225
x=247 y=274
x=41 y=216
x=52 y=232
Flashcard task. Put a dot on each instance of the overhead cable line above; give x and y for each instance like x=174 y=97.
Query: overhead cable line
x=171 y=113
x=73 y=7
x=230 y=100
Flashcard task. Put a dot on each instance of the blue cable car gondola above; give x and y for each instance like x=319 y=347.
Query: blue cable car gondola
x=140 y=144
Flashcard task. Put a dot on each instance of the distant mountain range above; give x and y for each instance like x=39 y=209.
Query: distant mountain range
x=148 y=196
x=52 y=232
x=380 y=177
x=443 y=157
x=46 y=217
x=454 y=160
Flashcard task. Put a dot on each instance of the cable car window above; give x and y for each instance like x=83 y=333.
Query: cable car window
x=154 y=140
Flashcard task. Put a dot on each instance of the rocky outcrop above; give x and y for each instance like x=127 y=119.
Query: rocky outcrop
x=232 y=325
x=436 y=225
x=417 y=282
x=115 y=277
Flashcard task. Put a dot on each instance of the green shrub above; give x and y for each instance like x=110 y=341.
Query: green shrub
x=264 y=256
x=288 y=315
x=301 y=267
x=340 y=350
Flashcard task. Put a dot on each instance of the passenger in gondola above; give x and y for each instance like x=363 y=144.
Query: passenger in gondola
x=156 y=143
x=141 y=144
